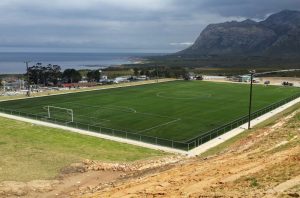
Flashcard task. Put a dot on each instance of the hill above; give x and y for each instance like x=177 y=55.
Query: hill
x=279 y=34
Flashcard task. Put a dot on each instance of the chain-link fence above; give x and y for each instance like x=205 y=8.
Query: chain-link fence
x=203 y=138
x=186 y=145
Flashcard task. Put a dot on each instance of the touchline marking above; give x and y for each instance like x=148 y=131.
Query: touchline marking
x=160 y=125
x=110 y=107
x=160 y=95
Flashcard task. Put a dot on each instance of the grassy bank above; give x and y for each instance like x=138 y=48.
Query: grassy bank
x=30 y=152
x=271 y=121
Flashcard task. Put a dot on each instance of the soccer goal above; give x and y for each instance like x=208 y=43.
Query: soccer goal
x=59 y=112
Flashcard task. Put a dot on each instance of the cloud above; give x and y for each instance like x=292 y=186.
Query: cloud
x=183 y=43
x=121 y=25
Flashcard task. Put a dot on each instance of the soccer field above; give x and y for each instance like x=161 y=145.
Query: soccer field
x=178 y=110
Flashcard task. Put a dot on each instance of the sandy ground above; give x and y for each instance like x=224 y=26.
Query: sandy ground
x=85 y=177
x=266 y=163
x=279 y=80
x=273 y=80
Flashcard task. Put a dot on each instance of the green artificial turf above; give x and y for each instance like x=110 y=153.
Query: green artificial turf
x=177 y=110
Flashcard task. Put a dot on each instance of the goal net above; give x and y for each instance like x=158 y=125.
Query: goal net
x=60 y=113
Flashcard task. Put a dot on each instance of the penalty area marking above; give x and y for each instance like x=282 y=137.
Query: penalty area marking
x=160 y=125
x=103 y=136
x=164 y=95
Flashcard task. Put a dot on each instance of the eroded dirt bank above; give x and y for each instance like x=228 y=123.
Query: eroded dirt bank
x=263 y=163
x=266 y=163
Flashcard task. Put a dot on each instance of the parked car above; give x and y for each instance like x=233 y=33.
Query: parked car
x=285 y=83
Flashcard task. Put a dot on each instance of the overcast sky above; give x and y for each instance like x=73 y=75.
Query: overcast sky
x=120 y=25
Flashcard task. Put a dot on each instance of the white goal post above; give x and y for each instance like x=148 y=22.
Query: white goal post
x=69 y=111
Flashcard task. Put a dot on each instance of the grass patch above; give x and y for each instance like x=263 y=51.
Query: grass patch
x=273 y=119
x=253 y=182
x=221 y=147
x=30 y=152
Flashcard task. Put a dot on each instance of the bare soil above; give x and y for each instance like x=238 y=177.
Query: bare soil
x=265 y=163
x=259 y=165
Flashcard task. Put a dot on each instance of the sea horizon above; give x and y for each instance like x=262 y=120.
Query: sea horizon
x=13 y=62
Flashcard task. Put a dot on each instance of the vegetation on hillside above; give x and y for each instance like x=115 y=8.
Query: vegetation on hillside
x=30 y=152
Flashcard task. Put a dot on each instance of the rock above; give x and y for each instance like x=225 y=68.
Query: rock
x=14 y=188
x=42 y=185
x=278 y=34
x=293 y=195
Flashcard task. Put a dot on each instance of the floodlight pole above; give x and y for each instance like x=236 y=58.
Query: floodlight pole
x=250 y=99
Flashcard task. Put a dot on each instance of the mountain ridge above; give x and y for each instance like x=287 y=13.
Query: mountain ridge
x=279 y=34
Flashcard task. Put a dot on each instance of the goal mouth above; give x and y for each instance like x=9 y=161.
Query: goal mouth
x=60 y=113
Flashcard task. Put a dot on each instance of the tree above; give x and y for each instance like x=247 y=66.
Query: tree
x=71 y=76
x=94 y=76
x=39 y=74
x=142 y=72
x=136 y=71
x=147 y=73
x=55 y=74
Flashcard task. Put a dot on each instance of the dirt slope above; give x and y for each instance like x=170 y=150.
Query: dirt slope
x=264 y=164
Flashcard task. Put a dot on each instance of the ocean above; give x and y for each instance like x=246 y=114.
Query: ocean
x=13 y=63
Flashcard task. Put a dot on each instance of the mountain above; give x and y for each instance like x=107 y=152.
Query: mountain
x=279 y=34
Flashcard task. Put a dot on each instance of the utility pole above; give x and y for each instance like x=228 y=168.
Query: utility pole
x=4 y=86
x=28 y=78
x=156 y=74
x=250 y=99
x=253 y=73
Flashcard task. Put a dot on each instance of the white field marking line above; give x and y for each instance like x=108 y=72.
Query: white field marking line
x=133 y=110
x=68 y=122
x=151 y=115
x=111 y=107
x=95 y=118
x=101 y=123
x=95 y=123
x=160 y=125
x=99 y=89
x=98 y=135
x=159 y=94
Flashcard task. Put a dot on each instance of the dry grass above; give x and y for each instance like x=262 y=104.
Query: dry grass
x=30 y=152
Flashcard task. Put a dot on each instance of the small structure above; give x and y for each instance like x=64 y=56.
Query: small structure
x=121 y=79
x=245 y=78
x=77 y=85
x=142 y=77
x=104 y=77
x=242 y=78
x=214 y=77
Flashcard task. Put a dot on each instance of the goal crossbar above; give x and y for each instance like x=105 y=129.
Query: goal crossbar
x=69 y=111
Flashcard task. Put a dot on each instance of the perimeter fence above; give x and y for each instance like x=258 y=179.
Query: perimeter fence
x=182 y=145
